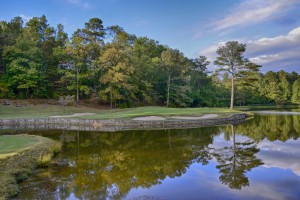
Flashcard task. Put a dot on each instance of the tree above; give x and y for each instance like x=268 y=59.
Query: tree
x=66 y=100
x=175 y=68
x=93 y=35
x=9 y=31
x=285 y=87
x=47 y=37
x=231 y=60
x=24 y=63
x=116 y=69
x=144 y=52
x=296 y=92
x=200 y=82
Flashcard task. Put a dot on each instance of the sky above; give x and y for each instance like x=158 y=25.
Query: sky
x=269 y=28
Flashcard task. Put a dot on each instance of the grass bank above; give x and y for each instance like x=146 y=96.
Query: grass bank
x=39 y=111
x=129 y=113
x=45 y=111
x=19 y=156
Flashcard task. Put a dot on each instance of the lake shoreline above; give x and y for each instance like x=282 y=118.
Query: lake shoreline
x=112 y=125
x=18 y=165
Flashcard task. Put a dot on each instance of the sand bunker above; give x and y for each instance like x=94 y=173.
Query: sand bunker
x=157 y=118
x=75 y=115
x=149 y=118
x=206 y=116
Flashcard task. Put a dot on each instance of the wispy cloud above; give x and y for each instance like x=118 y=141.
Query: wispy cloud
x=25 y=17
x=141 y=22
x=253 y=12
x=272 y=53
x=80 y=3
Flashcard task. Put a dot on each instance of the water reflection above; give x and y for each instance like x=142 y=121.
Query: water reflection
x=271 y=127
x=111 y=164
x=234 y=161
x=220 y=162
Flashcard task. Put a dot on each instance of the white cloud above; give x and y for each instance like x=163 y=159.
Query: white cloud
x=79 y=3
x=274 y=53
x=275 y=44
x=25 y=18
x=252 y=12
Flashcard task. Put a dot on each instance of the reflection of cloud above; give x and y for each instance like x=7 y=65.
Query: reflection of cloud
x=283 y=155
x=273 y=53
x=258 y=189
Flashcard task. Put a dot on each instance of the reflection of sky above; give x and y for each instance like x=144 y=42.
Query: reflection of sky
x=277 y=179
x=284 y=155
x=201 y=182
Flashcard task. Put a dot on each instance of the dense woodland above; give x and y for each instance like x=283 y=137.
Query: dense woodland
x=110 y=66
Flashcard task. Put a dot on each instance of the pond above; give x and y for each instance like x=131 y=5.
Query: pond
x=256 y=160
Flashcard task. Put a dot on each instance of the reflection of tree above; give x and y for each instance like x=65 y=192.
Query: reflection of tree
x=271 y=127
x=235 y=161
x=109 y=165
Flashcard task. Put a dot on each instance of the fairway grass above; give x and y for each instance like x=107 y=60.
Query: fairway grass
x=39 y=111
x=10 y=144
x=45 y=111
x=129 y=113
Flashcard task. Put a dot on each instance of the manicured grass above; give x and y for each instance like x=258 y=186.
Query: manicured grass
x=39 y=111
x=44 y=111
x=157 y=111
x=15 y=143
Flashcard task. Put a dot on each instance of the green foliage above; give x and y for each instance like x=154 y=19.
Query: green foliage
x=25 y=65
x=175 y=67
x=37 y=60
x=116 y=69
x=296 y=92
x=278 y=86
x=231 y=60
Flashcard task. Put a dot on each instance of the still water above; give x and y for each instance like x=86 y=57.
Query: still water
x=256 y=160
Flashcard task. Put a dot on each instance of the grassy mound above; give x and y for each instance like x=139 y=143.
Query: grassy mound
x=44 y=111
x=158 y=111
x=12 y=144
x=39 y=111
x=19 y=156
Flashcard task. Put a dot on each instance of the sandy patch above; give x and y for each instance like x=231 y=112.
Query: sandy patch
x=149 y=118
x=75 y=115
x=206 y=116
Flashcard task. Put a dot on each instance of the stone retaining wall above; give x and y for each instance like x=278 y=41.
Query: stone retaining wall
x=114 y=124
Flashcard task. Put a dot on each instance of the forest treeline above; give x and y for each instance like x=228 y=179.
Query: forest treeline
x=109 y=65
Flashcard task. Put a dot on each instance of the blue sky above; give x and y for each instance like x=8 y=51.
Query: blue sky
x=270 y=28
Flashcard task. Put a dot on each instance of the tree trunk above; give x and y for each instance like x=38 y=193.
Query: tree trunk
x=111 y=105
x=77 y=87
x=232 y=92
x=233 y=150
x=168 y=95
x=233 y=139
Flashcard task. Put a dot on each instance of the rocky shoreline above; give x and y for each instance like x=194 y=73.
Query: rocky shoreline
x=113 y=125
